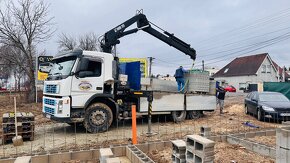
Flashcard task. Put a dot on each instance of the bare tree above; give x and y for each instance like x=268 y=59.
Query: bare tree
x=66 y=42
x=87 y=41
x=23 y=26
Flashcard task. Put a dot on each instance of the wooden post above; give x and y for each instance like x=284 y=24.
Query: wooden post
x=134 y=126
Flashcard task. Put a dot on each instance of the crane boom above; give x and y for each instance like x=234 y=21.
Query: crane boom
x=111 y=38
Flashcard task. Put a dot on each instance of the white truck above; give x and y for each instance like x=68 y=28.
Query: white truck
x=84 y=86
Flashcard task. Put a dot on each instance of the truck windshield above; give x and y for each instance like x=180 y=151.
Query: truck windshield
x=61 y=68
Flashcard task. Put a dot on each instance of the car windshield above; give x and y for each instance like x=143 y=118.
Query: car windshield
x=273 y=97
x=62 y=66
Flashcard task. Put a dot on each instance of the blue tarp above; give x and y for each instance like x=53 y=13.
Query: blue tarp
x=132 y=69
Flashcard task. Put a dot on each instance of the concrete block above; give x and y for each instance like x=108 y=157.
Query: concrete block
x=243 y=135
x=105 y=153
x=247 y=144
x=168 y=144
x=270 y=132
x=261 y=149
x=119 y=151
x=10 y=160
x=261 y=133
x=209 y=152
x=143 y=147
x=128 y=152
x=201 y=140
x=40 y=158
x=179 y=143
x=23 y=159
x=189 y=156
x=286 y=123
x=190 y=142
x=205 y=131
x=82 y=155
x=272 y=153
x=151 y=147
x=224 y=138
x=113 y=160
x=59 y=157
x=233 y=140
x=250 y=135
x=96 y=154
x=159 y=146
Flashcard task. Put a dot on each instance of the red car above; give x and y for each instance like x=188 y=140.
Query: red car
x=230 y=88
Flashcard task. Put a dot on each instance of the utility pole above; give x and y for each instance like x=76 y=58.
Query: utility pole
x=202 y=65
x=150 y=65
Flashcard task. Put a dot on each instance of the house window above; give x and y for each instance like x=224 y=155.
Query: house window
x=263 y=68
x=269 y=67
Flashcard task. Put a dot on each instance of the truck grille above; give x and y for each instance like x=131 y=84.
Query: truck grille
x=50 y=102
x=49 y=110
x=51 y=88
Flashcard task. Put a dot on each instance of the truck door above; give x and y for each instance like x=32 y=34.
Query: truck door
x=87 y=81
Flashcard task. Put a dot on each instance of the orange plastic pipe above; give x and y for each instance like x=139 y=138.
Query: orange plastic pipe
x=134 y=125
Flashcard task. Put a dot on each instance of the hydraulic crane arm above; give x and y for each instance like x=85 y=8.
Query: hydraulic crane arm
x=111 y=38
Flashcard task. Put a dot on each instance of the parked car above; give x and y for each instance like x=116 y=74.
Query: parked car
x=272 y=105
x=230 y=88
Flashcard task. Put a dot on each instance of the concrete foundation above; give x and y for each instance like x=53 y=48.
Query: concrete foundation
x=283 y=144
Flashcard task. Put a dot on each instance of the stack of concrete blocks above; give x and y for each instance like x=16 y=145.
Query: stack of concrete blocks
x=199 y=149
x=178 y=151
x=158 y=85
x=205 y=131
x=135 y=155
x=283 y=144
x=198 y=81
x=107 y=156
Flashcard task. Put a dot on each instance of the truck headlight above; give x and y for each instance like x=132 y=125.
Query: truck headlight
x=266 y=108
x=60 y=106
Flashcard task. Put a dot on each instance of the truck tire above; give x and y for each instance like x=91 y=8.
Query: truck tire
x=178 y=116
x=98 y=118
x=194 y=114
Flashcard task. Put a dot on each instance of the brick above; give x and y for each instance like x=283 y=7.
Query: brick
x=23 y=159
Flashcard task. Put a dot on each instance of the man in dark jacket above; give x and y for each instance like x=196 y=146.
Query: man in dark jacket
x=179 y=76
x=221 y=92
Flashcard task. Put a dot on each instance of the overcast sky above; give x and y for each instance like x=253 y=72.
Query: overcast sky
x=219 y=30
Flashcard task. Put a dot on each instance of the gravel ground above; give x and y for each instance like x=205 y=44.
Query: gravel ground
x=51 y=136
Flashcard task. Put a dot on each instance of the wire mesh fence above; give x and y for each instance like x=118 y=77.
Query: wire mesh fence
x=53 y=137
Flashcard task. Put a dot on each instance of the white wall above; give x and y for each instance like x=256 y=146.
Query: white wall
x=252 y=79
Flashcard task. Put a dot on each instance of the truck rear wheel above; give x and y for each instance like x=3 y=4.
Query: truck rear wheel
x=178 y=116
x=98 y=118
x=195 y=114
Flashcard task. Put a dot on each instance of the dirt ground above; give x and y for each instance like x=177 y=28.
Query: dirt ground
x=51 y=136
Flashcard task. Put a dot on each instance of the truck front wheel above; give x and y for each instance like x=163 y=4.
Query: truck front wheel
x=178 y=116
x=98 y=118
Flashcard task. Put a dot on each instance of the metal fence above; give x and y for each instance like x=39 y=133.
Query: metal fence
x=60 y=137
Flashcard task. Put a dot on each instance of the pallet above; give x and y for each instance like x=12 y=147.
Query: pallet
x=25 y=126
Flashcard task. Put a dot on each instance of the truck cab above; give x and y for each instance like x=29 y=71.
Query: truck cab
x=75 y=79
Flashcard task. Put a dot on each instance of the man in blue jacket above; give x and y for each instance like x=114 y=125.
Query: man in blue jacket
x=179 y=76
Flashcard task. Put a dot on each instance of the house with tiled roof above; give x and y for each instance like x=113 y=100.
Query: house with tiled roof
x=250 y=70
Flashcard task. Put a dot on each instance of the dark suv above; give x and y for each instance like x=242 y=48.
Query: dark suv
x=272 y=105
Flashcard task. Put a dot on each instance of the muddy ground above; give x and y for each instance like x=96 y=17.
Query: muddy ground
x=53 y=137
